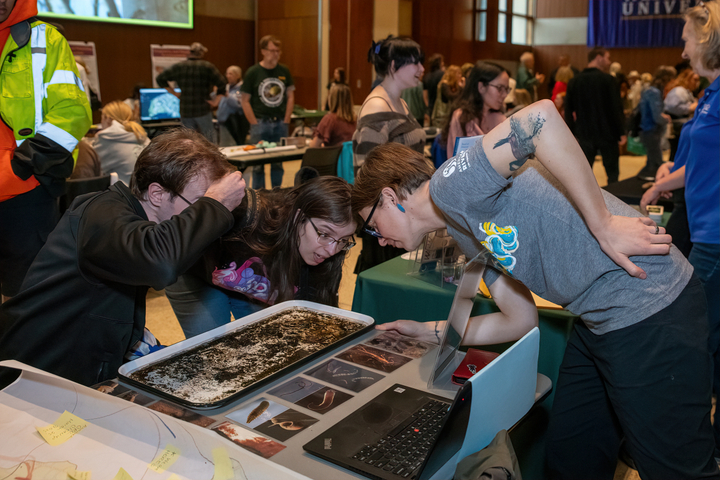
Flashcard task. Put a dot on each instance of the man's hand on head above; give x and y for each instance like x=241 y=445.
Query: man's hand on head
x=229 y=190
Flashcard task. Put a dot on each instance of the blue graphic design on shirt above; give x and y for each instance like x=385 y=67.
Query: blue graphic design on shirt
x=501 y=242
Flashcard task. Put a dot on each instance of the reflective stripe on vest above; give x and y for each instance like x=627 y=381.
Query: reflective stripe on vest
x=64 y=76
x=58 y=135
x=39 y=60
x=38 y=48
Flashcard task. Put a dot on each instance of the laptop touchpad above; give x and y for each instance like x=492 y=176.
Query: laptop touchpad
x=377 y=412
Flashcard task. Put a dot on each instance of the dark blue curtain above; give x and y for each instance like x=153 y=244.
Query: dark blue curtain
x=636 y=23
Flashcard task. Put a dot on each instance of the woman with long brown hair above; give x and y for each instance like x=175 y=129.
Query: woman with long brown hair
x=338 y=125
x=285 y=245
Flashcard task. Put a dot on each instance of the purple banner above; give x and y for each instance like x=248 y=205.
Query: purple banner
x=636 y=23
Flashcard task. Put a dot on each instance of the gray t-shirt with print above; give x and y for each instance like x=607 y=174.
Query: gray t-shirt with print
x=530 y=229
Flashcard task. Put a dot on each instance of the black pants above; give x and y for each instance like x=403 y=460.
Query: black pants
x=649 y=382
x=25 y=223
x=610 y=153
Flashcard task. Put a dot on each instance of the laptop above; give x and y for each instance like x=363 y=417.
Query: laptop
x=409 y=433
x=158 y=105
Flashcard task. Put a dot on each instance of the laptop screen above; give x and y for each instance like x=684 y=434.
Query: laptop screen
x=458 y=318
x=158 y=104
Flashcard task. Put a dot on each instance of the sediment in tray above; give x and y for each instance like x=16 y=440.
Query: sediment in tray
x=216 y=370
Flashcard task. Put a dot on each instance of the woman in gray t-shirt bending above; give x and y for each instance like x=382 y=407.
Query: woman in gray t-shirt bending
x=637 y=360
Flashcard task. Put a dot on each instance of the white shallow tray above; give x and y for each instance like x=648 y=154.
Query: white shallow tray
x=128 y=368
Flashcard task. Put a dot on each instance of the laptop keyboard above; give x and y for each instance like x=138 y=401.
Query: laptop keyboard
x=402 y=451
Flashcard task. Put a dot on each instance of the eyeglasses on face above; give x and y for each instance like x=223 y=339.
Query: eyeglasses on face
x=272 y=50
x=500 y=88
x=325 y=239
x=366 y=227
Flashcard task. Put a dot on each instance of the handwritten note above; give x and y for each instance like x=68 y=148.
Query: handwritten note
x=122 y=475
x=75 y=475
x=63 y=429
x=165 y=459
x=223 y=466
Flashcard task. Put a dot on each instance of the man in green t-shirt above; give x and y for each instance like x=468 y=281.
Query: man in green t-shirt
x=267 y=101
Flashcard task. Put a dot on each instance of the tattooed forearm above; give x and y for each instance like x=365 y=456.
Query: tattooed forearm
x=521 y=138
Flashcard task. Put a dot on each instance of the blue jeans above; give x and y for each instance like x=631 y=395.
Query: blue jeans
x=705 y=257
x=200 y=307
x=270 y=131
x=202 y=124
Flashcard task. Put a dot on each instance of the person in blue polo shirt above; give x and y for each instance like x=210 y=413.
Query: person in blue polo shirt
x=697 y=169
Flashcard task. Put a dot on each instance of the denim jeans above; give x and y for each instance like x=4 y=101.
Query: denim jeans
x=202 y=124
x=705 y=258
x=200 y=307
x=271 y=131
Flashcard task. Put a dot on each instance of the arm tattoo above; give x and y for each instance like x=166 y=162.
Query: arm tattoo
x=521 y=139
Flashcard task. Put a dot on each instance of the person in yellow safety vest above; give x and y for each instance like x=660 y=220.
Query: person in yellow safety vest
x=44 y=113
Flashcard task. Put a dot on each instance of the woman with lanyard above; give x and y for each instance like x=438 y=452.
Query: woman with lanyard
x=697 y=168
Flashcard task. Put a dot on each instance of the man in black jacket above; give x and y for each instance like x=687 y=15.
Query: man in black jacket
x=82 y=304
x=594 y=113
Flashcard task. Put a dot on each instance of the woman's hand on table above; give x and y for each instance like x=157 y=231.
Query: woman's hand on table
x=425 y=331
x=624 y=237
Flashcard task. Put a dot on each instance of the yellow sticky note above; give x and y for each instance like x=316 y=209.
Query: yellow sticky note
x=76 y=475
x=63 y=429
x=173 y=477
x=122 y=475
x=223 y=466
x=165 y=459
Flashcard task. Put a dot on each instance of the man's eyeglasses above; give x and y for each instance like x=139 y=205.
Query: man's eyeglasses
x=325 y=239
x=500 y=88
x=184 y=199
x=366 y=227
x=272 y=50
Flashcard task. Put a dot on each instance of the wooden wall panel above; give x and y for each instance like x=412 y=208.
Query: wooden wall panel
x=338 y=41
x=561 y=8
x=295 y=23
x=124 y=50
x=360 y=41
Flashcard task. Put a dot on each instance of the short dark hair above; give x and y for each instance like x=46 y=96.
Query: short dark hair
x=389 y=165
x=595 y=52
x=269 y=38
x=435 y=62
x=174 y=158
x=401 y=50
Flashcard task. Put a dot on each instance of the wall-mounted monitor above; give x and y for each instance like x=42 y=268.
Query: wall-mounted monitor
x=159 y=13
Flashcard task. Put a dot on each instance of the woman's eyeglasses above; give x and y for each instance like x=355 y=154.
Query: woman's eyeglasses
x=325 y=239
x=500 y=88
x=367 y=228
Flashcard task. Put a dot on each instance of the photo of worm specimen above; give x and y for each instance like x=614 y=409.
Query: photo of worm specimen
x=295 y=389
x=323 y=400
x=248 y=440
x=285 y=425
x=344 y=375
x=396 y=343
x=256 y=412
x=373 y=358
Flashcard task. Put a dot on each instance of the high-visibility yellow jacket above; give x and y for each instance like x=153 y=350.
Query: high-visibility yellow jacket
x=43 y=102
